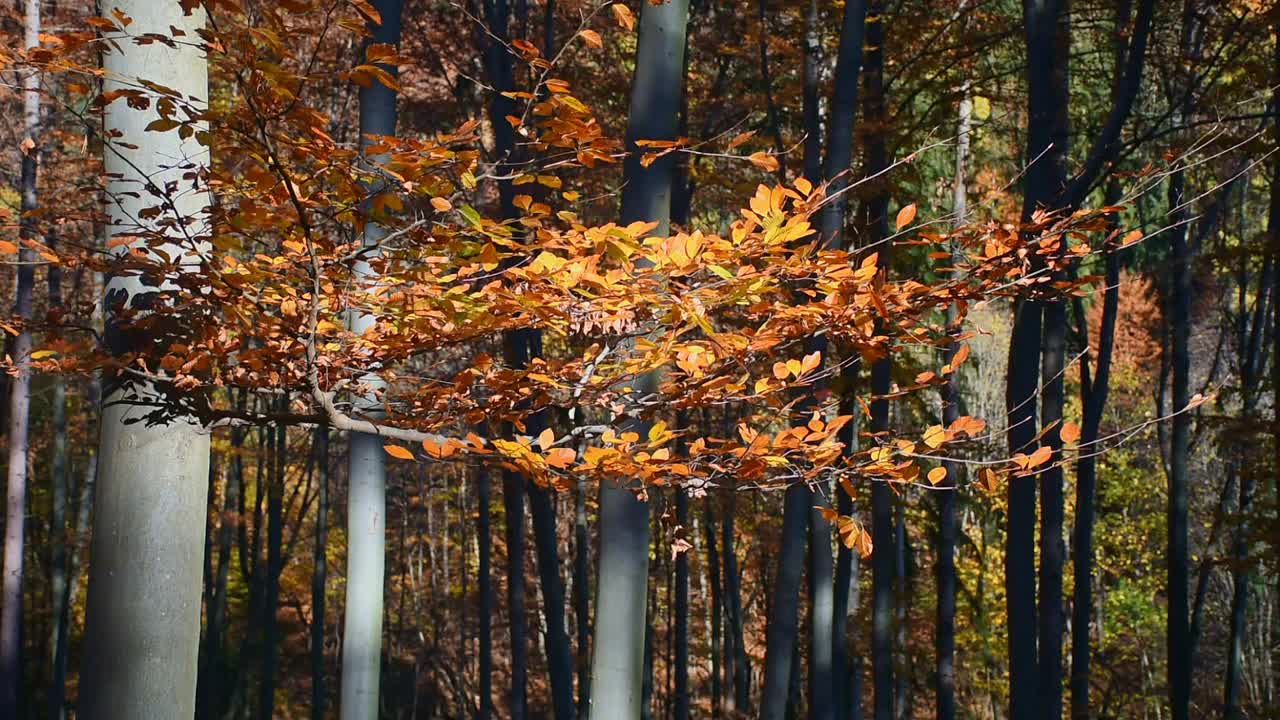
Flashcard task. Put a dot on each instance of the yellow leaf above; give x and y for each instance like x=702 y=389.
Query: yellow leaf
x=905 y=216
x=935 y=436
x=1131 y=237
x=42 y=354
x=396 y=451
x=937 y=475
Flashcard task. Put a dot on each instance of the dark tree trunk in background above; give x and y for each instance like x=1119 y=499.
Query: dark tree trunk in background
x=319 y=575
x=513 y=504
x=781 y=637
x=581 y=594
x=945 y=634
x=715 y=600
x=1094 y=399
x=882 y=522
x=58 y=531
x=682 y=698
x=484 y=613
x=733 y=608
x=275 y=565
x=840 y=120
x=766 y=82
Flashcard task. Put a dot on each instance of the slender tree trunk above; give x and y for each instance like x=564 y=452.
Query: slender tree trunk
x=58 y=532
x=210 y=684
x=319 y=576
x=821 y=614
x=882 y=522
x=782 y=632
x=1094 y=399
x=682 y=615
x=616 y=672
x=275 y=564
x=766 y=82
x=367 y=472
x=513 y=504
x=714 y=602
x=741 y=670
x=11 y=665
x=485 y=589
x=581 y=593
x=150 y=501
x=840 y=121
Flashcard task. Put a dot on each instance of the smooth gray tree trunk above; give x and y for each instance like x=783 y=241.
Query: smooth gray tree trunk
x=143 y=607
x=781 y=636
x=319 y=576
x=11 y=666
x=366 y=495
x=618 y=658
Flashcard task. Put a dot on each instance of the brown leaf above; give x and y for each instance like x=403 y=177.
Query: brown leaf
x=905 y=216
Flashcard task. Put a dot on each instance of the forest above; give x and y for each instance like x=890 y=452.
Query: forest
x=640 y=359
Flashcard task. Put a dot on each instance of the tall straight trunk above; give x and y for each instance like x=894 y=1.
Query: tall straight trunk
x=1252 y=356
x=782 y=636
x=319 y=575
x=581 y=594
x=616 y=671
x=513 y=505
x=1178 y=630
x=901 y=685
x=556 y=638
x=846 y=672
x=210 y=685
x=1044 y=180
x=484 y=612
x=366 y=462
x=883 y=537
x=714 y=600
x=59 y=532
x=822 y=680
x=734 y=633
x=1094 y=399
x=840 y=120
x=766 y=83
x=150 y=497
x=682 y=615
x=11 y=665
x=275 y=564
x=945 y=633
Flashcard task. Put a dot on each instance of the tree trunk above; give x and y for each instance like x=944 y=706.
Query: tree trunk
x=821 y=608
x=367 y=472
x=513 y=504
x=58 y=532
x=275 y=564
x=782 y=631
x=150 y=500
x=11 y=665
x=319 y=576
x=1094 y=399
x=485 y=589
x=581 y=593
x=616 y=672
x=741 y=670
x=882 y=522
x=840 y=121
x=714 y=602
x=945 y=635
x=682 y=614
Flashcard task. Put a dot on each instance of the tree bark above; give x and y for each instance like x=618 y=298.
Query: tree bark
x=840 y=121
x=616 y=672
x=485 y=589
x=741 y=669
x=781 y=636
x=11 y=665
x=367 y=472
x=682 y=614
x=150 y=499
x=319 y=576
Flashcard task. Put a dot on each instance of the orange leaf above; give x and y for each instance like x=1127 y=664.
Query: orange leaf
x=905 y=216
x=762 y=160
x=396 y=451
x=1069 y=433
x=622 y=14
x=546 y=439
x=937 y=475
x=592 y=38
x=441 y=204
